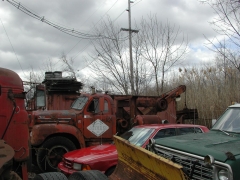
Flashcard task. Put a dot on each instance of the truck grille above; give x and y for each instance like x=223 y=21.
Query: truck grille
x=67 y=163
x=194 y=168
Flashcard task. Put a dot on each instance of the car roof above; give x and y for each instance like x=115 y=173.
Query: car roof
x=235 y=105
x=160 y=126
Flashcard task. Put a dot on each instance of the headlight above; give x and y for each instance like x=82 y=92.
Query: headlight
x=77 y=166
x=223 y=175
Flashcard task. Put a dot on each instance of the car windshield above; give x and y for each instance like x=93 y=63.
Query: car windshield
x=80 y=102
x=229 y=121
x=137 y=136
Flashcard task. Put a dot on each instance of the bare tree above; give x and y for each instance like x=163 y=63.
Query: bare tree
x=222 y=62
x=156 y=49
x=161 y=47
x=112 y=61
x=68 y=65
x=227 y=23
x=142 y=72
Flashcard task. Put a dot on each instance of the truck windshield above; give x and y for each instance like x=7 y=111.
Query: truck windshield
x=79 y=103
x=137 y=136
x=229 y=121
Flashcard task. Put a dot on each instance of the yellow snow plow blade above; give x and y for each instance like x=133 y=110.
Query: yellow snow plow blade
x=138 y=163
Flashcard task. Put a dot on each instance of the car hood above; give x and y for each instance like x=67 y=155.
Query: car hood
x=215 y=143
x=92 y=154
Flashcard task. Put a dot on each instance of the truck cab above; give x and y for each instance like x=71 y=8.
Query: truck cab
x=91 y=115
x=89 y=121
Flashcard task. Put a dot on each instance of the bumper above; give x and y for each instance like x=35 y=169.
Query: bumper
x=65 y=170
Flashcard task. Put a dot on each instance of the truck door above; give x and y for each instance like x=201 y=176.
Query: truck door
x=97 y=123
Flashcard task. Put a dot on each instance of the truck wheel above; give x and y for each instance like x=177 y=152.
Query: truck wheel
x=50 y=176
x=88 y=175
x=52 y=151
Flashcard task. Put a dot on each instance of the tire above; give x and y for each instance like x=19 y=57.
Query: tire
x=110 y=171
x=50 y=176
x=88 y=175
x=51 y=152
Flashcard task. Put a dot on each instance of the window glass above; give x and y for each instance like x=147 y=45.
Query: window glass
x=105 y=106
x=189 y=130
x=80 y=103
x=165 y=133
x=94 y=106
x=137 y=136
x=229 y=121
x=40 y=98
x=185 y=130
x=197 y=130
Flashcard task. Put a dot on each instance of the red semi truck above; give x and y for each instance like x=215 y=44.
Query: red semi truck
x=14 y=133
x=15 y=160
x=93 y=119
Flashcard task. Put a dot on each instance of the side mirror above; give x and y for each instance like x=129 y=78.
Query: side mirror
x=150 y=146
x=151 y=142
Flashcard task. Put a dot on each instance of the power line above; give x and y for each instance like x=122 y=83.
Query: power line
x=93 y=27
x=136 y=2
x=125 y=38
x=66 y=30
x=84 y=23
x=69 y=31
x=94 y=59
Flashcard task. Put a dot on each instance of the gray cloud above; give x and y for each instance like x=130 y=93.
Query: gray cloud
x=35 y=43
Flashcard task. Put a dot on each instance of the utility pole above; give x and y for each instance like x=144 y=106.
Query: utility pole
x=130 y=45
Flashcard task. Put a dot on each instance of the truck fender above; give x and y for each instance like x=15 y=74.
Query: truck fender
x=41 y=131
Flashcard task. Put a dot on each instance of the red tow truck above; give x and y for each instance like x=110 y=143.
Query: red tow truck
x=93 y=119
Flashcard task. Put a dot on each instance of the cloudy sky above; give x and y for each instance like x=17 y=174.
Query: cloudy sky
x=28 y=44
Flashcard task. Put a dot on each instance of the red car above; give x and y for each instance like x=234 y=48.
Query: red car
x=105 y=157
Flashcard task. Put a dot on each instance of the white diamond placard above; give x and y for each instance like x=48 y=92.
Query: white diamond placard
x=98 y=127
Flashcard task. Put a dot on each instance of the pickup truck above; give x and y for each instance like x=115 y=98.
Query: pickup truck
x=208 y=156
